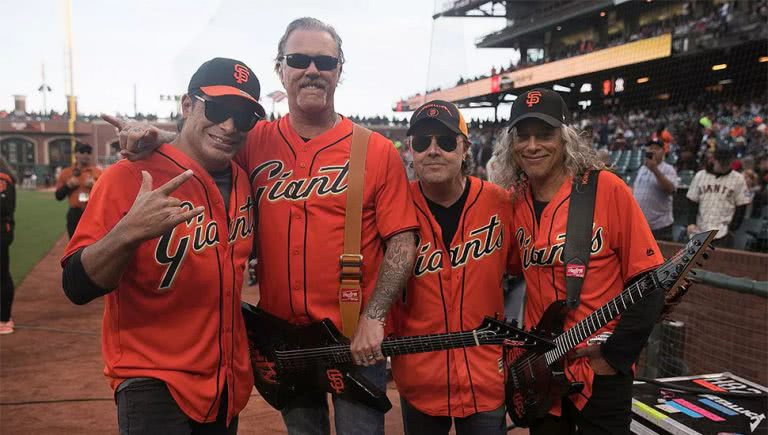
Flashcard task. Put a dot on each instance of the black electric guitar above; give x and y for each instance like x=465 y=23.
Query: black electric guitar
x=289 y=360
x=535 y=380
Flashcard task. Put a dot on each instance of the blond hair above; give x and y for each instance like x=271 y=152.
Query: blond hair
x=578 y=157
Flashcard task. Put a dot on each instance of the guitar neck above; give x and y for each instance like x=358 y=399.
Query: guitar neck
x=407 y=345
x=433 y=342
x=602 y=316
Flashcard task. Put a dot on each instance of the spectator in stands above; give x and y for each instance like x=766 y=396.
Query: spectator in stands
x=483 y=155
x=717 y=198
x=654 y=187
x=75 y=183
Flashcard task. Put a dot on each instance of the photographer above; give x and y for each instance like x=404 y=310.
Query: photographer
x=75 y=183
x=654 y=187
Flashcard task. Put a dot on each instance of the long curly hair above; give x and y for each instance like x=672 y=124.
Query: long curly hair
x=578 y=158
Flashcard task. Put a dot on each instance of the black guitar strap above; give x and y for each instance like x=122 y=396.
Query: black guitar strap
x=578 y=235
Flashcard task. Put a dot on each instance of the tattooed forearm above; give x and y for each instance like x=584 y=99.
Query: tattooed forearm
x=394 y=272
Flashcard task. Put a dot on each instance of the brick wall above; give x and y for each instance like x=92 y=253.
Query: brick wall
x=726 y=330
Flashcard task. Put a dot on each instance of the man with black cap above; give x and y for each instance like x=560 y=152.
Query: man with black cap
x=542 y=158
x=300 y=168
x=718 y=198
x=464 y=250
x=166 y=241
x=75 y=184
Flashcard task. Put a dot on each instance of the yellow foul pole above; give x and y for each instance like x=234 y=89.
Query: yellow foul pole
x=72 y=109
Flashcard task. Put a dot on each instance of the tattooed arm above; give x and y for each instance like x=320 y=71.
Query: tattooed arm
x=394 y=272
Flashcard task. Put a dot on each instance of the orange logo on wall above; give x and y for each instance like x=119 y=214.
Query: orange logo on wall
x=533 y=98
x=336 y=380
x=241 y=73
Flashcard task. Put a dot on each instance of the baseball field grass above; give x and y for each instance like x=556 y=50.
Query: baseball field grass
x=40 y=221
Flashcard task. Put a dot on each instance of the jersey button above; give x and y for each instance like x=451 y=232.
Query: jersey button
x=302 y=165
x=295 y=252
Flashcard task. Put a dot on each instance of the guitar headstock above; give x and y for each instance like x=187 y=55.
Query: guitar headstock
x=496 y=331
x=672 y=274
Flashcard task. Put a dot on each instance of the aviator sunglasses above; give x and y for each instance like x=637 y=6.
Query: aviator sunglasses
x=218 y=113
x=422 y=143
x=302 y=61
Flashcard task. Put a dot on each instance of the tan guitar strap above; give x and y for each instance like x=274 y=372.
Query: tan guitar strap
x=350 y=290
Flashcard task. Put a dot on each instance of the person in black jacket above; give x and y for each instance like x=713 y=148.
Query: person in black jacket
x=7 y=209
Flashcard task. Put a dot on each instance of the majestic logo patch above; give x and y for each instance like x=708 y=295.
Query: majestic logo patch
x=533 y=98
x=241 y=73
x=649 y=252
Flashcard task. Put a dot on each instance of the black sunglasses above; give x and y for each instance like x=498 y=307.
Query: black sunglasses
x=218 y=113
x=302 y=61
x=422 y=143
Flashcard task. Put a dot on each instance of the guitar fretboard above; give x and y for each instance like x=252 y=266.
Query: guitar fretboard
x=600 y=317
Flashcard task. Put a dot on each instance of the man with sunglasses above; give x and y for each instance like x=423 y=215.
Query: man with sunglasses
x=75 y=184
x=539 y=156
x=463 y=253
x=166 y=241
x=299 y=167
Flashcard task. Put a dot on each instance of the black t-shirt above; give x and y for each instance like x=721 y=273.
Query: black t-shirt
x=448 y=217
x=223 y=180
x=538 y=208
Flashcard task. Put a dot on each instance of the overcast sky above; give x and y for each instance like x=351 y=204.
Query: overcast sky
x=393 y=48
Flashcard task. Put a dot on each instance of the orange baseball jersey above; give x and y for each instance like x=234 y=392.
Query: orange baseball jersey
x=453 y=292
x=300 y=189
x=622 y=248
x=175 y=315
x=88 y=175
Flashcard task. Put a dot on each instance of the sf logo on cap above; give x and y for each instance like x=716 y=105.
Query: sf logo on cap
x=432 y=113
x=241 y=73
x=533 y=98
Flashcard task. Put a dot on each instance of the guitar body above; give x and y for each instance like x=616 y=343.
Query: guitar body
x=532 y=386
x=280 y=380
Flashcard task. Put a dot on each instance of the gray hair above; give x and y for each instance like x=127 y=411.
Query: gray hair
x=579 y=157
x=312 y=24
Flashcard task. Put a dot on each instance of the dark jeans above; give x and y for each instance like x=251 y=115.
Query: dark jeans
x=663 y=233
x=308 y=414
x=608 y=411
x=416 y=422
x=147 y=407
x=6 y=282
x=73 y=217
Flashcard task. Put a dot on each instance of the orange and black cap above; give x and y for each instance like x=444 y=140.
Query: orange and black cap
x=543 y=104
x=442 y=111
x=220 y=77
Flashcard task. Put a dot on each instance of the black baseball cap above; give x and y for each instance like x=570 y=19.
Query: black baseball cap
x=81 y=147
x=542 y=104
x=221 y=77
x=441 y=111
x=723 y=151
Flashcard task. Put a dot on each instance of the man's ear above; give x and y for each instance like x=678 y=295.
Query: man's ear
x=187 y=102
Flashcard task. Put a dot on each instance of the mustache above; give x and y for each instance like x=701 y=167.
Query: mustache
x=313 y=82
